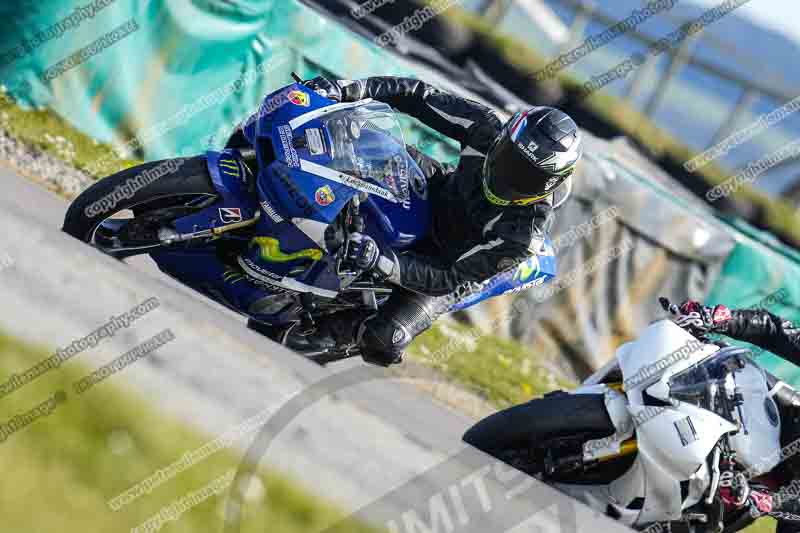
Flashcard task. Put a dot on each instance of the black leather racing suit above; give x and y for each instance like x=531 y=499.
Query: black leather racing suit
x=782 y=338
x=472 y=239
x=470 y=235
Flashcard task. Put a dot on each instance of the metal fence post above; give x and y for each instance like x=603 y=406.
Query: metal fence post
x=678 y=59
x=746 y=99
x=584 y=13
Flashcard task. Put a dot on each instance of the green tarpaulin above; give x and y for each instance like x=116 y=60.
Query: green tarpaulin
x=180 y=74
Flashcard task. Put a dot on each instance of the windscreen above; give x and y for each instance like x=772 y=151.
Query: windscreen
x=733 y=386
x=708 y=382
x=367 y=142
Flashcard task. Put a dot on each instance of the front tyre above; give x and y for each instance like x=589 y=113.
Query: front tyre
x=551 y=429
x=170 y=187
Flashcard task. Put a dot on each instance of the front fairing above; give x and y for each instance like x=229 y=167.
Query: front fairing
x=314 y=157
x=306 y=177
x=675 y=439
x=328 y=152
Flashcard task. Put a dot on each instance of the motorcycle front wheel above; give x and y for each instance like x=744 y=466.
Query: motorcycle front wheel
x=551 y=428
x=120 y=214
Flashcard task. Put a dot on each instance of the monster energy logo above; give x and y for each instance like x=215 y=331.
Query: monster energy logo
x=269 y=249
x=229 y=166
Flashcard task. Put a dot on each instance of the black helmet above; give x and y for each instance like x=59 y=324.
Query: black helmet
x=535 y=153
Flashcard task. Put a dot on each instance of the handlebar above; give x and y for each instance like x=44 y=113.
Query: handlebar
x=354 y=223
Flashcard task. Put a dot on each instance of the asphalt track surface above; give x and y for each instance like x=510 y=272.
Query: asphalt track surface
x=357 y=435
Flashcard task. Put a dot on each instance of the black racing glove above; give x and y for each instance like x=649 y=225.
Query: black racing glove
x=325 y=87
x=364 y=253
x=338 y=90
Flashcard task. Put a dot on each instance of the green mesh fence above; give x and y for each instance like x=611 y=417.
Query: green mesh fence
x=761 y=273
x=177 y=76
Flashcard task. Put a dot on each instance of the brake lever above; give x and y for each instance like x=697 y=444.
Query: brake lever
x=354 y=223
x=342 y=264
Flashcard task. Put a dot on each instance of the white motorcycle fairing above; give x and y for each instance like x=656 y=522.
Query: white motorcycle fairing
x=673 y=441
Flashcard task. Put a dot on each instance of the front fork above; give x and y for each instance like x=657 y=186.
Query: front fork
x=623 y=442
x=354 y=223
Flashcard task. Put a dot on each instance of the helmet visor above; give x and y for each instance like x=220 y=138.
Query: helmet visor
x=512 y=177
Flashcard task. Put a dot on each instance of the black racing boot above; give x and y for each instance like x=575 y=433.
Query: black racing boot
x=342 y=327
x=314 y=342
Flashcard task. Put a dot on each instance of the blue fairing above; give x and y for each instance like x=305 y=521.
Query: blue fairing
x=397 y=223
x=310 y=151
x=537 y=270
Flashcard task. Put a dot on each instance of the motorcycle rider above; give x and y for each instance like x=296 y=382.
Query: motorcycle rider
x=491 y=212
x=769 y=495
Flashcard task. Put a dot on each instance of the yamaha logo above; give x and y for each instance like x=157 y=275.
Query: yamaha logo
x=271 y=212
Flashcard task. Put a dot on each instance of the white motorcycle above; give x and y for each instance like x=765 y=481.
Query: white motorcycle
x=672 y=430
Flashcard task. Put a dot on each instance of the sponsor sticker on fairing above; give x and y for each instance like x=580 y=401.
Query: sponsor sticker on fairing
x=528 y=285
x=285 y=133
x=298 y=97
x=271 y=212
x=686 y=431
x=324 y=196
x=229 y=215
x=346 y=179
x=314 y=140
x=230 y=167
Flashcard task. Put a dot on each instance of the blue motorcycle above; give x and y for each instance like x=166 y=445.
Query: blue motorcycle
x=294 y=181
